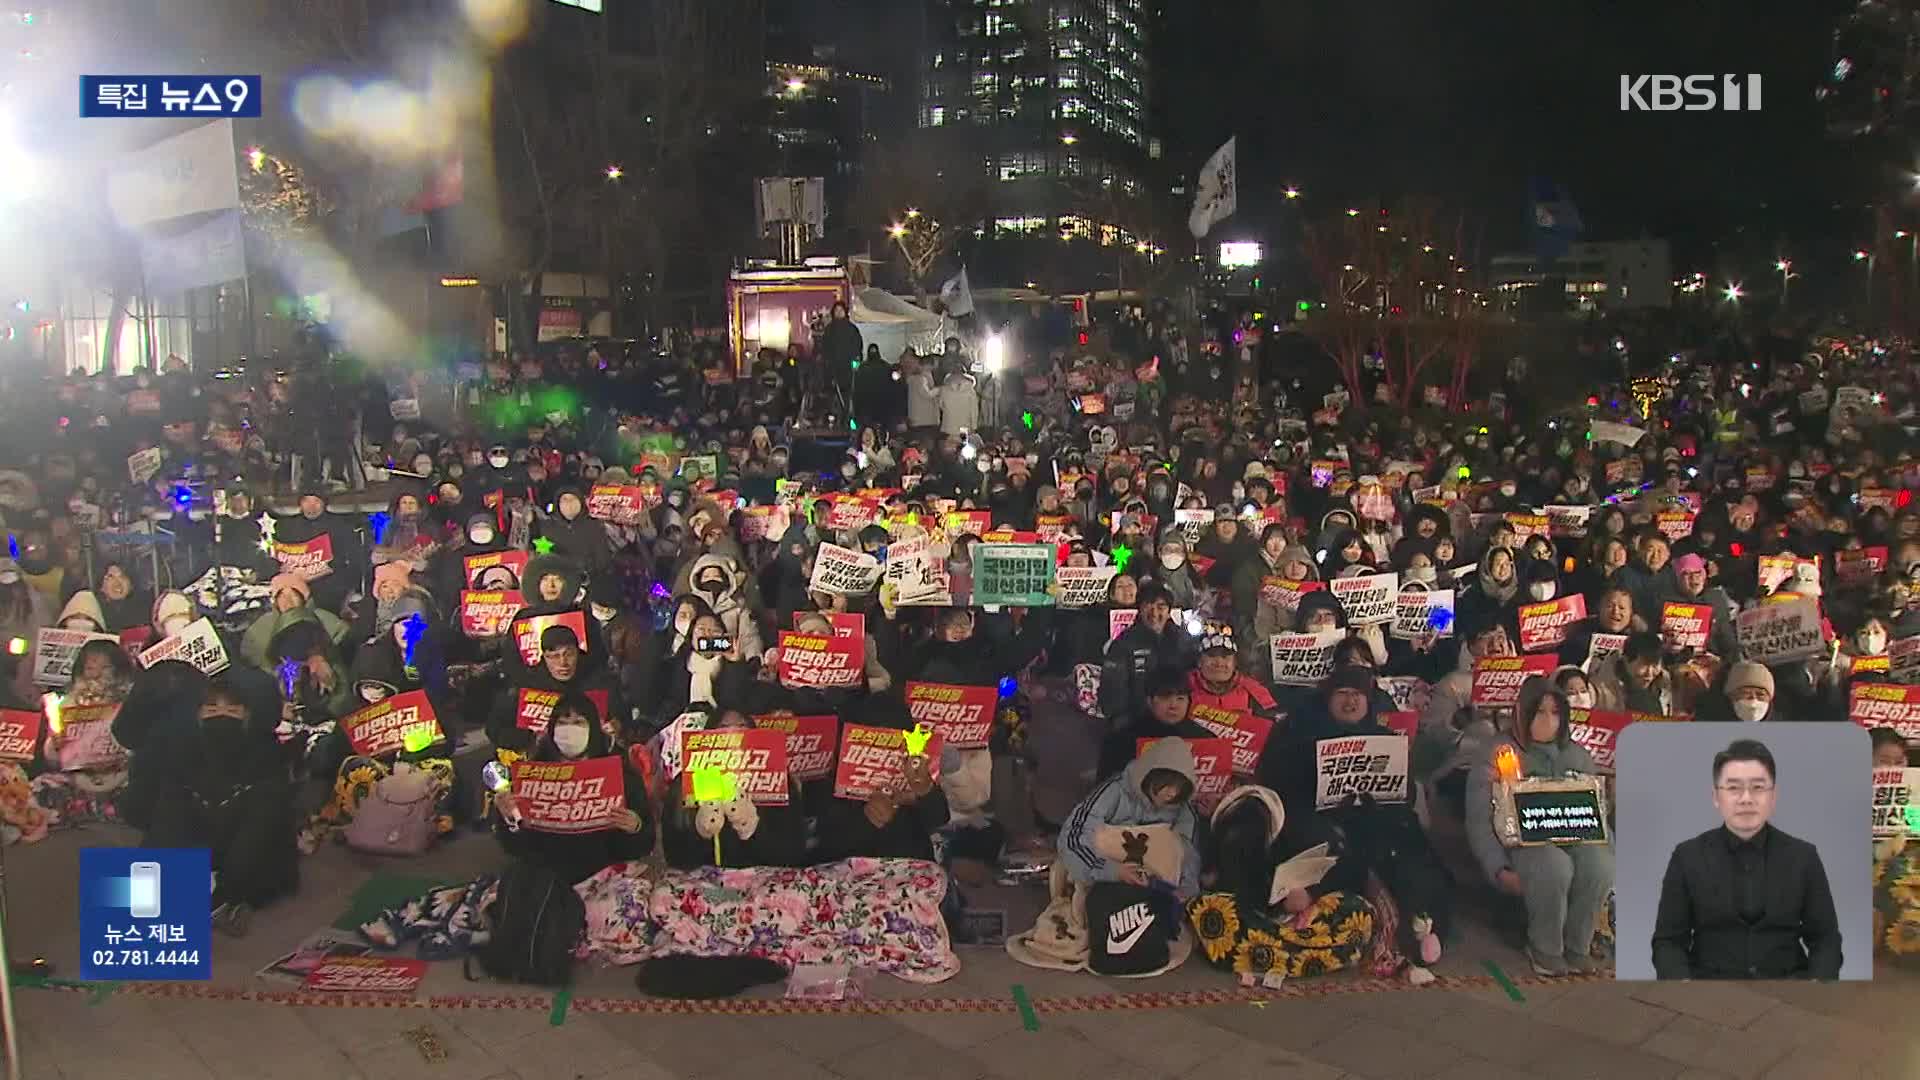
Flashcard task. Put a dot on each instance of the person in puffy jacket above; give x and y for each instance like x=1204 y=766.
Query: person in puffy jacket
x=576 y=733
x=576 y=535
x=1155 y=789
x=1153 y=641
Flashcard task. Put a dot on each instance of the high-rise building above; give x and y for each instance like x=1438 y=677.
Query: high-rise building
x=1050 y=99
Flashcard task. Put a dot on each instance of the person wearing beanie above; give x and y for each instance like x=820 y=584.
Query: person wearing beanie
x=291 y=606
x=1166 y=710
x=314 y=524
x=1693 y=586
x=1747 y=694
x=1216 y=682
x=1563 y=886
x=1154 y=641
x=515 y=721
x=289 y=591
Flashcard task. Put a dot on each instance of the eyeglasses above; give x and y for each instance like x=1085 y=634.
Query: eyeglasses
x=1737 y=790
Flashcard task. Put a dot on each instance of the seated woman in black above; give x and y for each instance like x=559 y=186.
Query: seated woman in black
x=749 y=835
x=575 y=734
x=891 y=825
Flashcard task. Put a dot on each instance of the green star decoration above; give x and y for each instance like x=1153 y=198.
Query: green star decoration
x=543 y=546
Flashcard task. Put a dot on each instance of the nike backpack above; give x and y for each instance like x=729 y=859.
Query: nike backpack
x=1130 y=929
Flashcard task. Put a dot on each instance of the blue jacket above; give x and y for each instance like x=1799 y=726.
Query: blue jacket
x=1120 y=800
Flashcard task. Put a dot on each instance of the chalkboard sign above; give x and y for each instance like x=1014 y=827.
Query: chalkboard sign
x=1534 y=812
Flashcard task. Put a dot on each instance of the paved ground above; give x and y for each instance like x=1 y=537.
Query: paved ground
x=1585 y=1029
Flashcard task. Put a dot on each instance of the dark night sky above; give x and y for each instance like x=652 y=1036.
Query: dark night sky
x=1465 y=101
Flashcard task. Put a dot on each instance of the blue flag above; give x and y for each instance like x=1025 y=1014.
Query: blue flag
x=1554 y=219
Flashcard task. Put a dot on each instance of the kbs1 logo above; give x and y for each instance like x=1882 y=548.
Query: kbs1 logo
x=1689 y=93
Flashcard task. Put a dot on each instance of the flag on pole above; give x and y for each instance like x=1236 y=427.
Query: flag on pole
x=1216 y=194
x=956 y=295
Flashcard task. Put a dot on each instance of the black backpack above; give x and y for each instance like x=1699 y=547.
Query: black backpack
x=537 y=921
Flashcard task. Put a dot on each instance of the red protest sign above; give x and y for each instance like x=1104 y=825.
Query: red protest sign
x=820 y=663
x=812 y=742
x=494 y=571
x=1212 y=767
x=1052 y=528
x=755 y=759
x=1285 y=595
x=1401 y=723
x=135 y=639
x=367 y=975
x=1886 y=705
x=621 y=504
x=1526 y=526
x=1544 y=626
x=19 y=734
x=533 y=709
x=487 y=614
x=382 y=728
x=873 y=760
x=1686 y=626
x=1497 y=679
x=851 y=512
x=1675 y=525
x=1859 y=566
x=569 y=796
x=1248 y=734
x=1119 y=619
x=528 y=628
x=1885 y=498
x=974 y=522
x=307 y=559
x=963 y=715
x=1599 y=732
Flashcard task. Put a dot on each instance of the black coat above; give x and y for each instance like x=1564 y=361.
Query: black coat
x=1699 y=933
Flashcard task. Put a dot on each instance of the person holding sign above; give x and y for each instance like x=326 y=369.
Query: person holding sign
x=1745 y=900
x=896 y=824
x=515 y=723
x=577 y=734
x=1169 y=699
x=1896 y=859
x=1563 y=886
x=1152 y=642
x=89 y=766
x=749 y=832
x=1692 y=587
x=1603 y=632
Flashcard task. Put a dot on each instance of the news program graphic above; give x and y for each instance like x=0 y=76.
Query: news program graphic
x=146 y=914
x=1703 y=810
x=169 y=95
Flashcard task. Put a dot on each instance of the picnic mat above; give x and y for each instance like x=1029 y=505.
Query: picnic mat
x=380 y=892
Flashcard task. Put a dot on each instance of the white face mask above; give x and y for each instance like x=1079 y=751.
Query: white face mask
x=1173 y=560
x=1425 y=575
x=1508 y=490
x=1749 y=710
x=1582 y=700
x=1541 y=590
x=497 y=461
x=570 y=739
x=480 y=535
x=174 y=625
x=1873 y=644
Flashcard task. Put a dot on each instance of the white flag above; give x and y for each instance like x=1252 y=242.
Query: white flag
x=956 y=295
x=1216 y=194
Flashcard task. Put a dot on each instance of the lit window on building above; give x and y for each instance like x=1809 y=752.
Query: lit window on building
x=936 y=116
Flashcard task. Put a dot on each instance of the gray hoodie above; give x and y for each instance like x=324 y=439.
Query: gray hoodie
x=1537 y=761
x=1120 y=800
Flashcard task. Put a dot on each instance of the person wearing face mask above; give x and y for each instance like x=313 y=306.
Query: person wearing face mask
x=1571 y=680
x=564 y=668
x=748 y=834
x=706 y=669
x=1174 y=573
x=575 y=733
x=722 y=583
x=1564 y=887
x=1267 y=559
x=208 y=774
x=409 y=654
x=576 y=535
x=1540 y=580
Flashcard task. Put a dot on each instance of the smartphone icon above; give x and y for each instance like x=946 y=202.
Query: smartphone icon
x=143 y=896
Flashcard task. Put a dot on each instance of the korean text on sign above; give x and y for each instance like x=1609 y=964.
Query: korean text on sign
x=1212 y=767
x=1374 y=766
x=1248 y=734
x=1891 y=705
x=963 y=715
x=1497 y=679
x=755 y=759
x=813 y=743
x=382 y=728
x=873 y=761
x=169 y=95
x=1013 y=574
x=1894 y=811
x=814 y=662
x=569 y=796
x=1545 y=625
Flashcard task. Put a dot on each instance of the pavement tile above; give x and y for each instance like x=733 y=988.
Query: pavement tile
x=356 y=1030
x=1728 y=1004
x=1172 y=1041
x=576 y=1049
x=687 y=1045
x=1293 y=1023
x=1057 y=1053
x=959 y=1030
x=1384 y=1052
x=400 y=1059
x=909 y=1054
x=495 y=1028
x=1703 y=1045
x=1605 y=1012
x=1809 y=1063
x=826 y=1038
x=1265 y=1062
x=109 y=1058
x=1473 y=1068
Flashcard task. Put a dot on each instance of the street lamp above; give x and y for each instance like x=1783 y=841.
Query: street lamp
x=1292 y=192
x=1069 y=139
x=1732 y=292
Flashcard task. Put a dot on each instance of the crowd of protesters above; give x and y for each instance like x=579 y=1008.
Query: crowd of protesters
x=660 y=524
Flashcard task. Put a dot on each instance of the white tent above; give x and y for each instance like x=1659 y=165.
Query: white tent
x=896 y=325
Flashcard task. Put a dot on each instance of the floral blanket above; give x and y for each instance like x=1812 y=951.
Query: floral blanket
x=882 y=914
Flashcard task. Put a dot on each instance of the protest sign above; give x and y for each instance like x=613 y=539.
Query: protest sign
x=620 y=504
x=962 y=715
x=1303 y=659
x=1903 y=660
x=1527 y=526
x=1118 y=619
x=700 y=467
x=1193 y=523
x=1418 y=614
x=382 y=727
x=495 y=570
x=366 y=974
x=763 y=523
x=1600 y=647
x=1084 y=586
x=1686 y=626
x=755 y=759
x=848 y=513
x=1567 y=521
x=1895 y=812
x=308 y=559
x=85 y=737
x=55 y=651
x=1857 y=665
x=1374 y=766
x=144 y=465
x=1781 y=633
x=1891 y=705
x=199 y=644
x=1675 y=525
x=1881 y=498
x=968 y=522
x=1213 y=768
x=1052 y=528
x=1373 y=502
x=1284 y=595
x=1859 y=566
x=1248 y=734
x=918 y=573
x=1410 y=693
x=812 y=742
x=873 y=761
x=487 y=614
x=1555 y=812
x=840 y=572
x=1013 y=575
x=1599 y=732
x=1368 y=598
x=1775 y=569
x=527 y=630
x=1609 y=431
x=19 y=734
x=815 y=662
x=1545 y=625
x=1813 y=401
x=1405 y=724
x=533 y=709
x=569 y=796
x=1497 y=679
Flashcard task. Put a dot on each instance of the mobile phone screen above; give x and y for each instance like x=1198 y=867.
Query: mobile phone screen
x=143 y=895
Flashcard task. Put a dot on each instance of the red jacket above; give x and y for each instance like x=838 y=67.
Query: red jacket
x=1244 y=695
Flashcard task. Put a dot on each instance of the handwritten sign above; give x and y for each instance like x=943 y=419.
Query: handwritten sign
x=306 y=560
x=1545 y=625
x=1686 y=626
x=56 y=651
x=198 y=644
x=1362 y=767
x=488 y=614
x=382 y=728
x=495 y=571
x=144 y=465
x=569 y=796
x=19 y=734
x=366 y=974
x=873 y=761
x=1368 y=598
x=756 y=760
x=1891 y=705
x=1893 y=799
x=1781 y=633
x=812 y=743
x=821 y=663
x=1303 y=659
x=1248 y=734
x=838 y=571
x=1013 y=575
x=962 y=715
x=1599 y=732
x=1418 y=614
x=1497 y=679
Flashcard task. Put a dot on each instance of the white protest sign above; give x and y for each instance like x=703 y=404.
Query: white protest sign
x=1084 y=586
x=1903 y=660
x=840 y=572
x=1368 y=598
x=1600 y=647
x=1624 y=434
x=55 y=651
x=199 y=644
x=1193 y=523
x=1894 y=807
x=142 y=465
x=1374 y=766
x=1410 y=693
x=1303 y=659
x=1781 y=633
x=916 y=571
x=1414 y=614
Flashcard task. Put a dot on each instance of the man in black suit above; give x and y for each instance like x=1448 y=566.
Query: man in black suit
x=1745 y=901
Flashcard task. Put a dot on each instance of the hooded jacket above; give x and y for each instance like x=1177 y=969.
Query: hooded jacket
x=1538 y=760
x=1122 y=800
x=349 y=555
x=133 y=611
x=84 y=605
x=580 y=537
x=1614 y=690
x=578 y=856
x=450 y=573
x=729 y=602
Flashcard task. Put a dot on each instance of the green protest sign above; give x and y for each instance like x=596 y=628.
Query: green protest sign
x=1013 y=575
